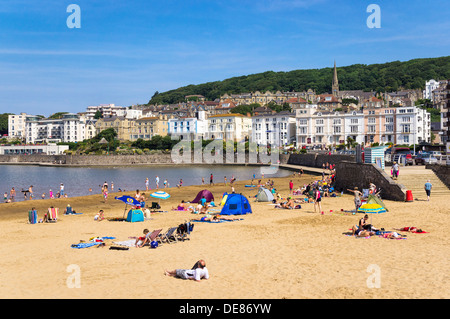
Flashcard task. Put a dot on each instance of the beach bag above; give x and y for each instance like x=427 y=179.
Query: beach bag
x=181 y=229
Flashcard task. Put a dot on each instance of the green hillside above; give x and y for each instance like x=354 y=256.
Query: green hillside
x=386 y=77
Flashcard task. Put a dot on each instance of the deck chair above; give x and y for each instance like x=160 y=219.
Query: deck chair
x=168 y=237
x=154 y=234
x=52 y=214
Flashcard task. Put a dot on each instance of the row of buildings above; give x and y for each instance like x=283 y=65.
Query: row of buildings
x=307 y=126
x=311 y=119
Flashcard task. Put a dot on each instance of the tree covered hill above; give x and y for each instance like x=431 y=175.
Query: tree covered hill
x=386 y=77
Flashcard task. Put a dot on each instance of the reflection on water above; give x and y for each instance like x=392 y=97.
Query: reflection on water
x=78 y=180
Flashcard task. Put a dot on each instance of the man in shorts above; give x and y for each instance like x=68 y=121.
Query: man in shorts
x=428 y=186
x=197 y=273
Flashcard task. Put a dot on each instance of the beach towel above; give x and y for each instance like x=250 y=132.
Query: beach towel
x=32 y=217
x=93 y=242
x=85 y=245
x=216 y=221
x=126 y=243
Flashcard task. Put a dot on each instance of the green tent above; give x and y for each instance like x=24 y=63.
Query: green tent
x=371 y=199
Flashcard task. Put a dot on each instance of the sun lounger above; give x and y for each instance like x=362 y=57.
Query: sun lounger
x=168 y=237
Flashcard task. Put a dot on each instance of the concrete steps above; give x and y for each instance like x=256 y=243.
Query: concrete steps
x=415 y=177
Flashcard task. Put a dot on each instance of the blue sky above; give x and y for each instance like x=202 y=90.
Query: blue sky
x=126 y=50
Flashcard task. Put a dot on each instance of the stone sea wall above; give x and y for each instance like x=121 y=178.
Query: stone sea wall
x=317 y=160
x=99 y=160
x=350 y=175
x=441 y=171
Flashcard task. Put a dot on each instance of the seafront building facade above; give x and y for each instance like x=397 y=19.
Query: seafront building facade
x=273 y=129
x=147 y=127
x=47 y=149
x=69 y=128
x=229 y=127
x=16 y=125
x=397 y=125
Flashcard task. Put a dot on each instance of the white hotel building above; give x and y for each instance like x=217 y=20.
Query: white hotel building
x=191 y=128
x=70 y=128
x=273 y=129
x=16 y=126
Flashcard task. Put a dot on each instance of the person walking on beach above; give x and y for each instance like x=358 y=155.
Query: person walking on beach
x=146 y=184
x=395 y=170
x=211 y=181
x=291 y=187
x=157 y=182
x=225 y=180
x=428 y=186
x=61 y=190
x=317 y=199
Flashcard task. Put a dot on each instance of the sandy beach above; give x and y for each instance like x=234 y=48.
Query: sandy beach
x=270 y=254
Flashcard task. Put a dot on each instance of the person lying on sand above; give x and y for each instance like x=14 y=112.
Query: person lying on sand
x=217 y=218
x=393 y=235
x=201 y=272
x=361 y=232
x=411 y=229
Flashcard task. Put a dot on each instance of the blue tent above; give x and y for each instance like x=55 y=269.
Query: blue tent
x=135 y=215
x=236 y=204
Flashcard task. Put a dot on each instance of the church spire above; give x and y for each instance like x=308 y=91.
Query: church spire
x=335 y=84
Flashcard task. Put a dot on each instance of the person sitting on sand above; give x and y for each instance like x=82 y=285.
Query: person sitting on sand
x=181 y=206
x=141 y=241
x=99 y=216
x=364 y=225
x=198 y=272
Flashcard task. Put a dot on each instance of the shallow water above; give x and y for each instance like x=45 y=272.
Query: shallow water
x=78 y=180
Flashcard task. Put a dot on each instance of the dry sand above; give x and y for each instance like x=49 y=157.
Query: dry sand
x=272 y=253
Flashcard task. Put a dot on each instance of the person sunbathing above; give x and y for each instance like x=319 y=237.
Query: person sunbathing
x=393 y=235
x=217 y=218
x=361 y=232
x=411 y=229
x=289 y=204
